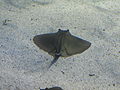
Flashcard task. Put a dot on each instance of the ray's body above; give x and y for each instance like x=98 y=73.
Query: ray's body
x=61 y=43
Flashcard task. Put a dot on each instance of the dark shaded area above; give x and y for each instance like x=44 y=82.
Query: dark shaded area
x=5 y=22
x=43 y=2
x=91 y=74
x=53 y=88
x=61 y=43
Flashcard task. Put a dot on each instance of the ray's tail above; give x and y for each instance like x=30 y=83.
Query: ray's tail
x=54 y=60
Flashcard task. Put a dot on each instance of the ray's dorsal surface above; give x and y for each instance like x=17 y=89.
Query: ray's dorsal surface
x=61 y=44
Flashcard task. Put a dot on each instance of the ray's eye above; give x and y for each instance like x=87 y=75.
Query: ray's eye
x=59 y=29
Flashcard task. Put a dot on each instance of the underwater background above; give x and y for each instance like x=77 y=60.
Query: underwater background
x=23 y=66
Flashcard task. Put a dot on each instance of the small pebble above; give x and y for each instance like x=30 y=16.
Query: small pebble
x=113 y=84
x=103 y=29
x=63 y=72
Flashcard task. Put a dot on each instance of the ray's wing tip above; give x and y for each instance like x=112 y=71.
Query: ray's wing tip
x=37 y=41
x=89 y=44
x=35 y=38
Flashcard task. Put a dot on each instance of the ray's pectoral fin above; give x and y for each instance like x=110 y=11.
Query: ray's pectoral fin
x=57 y=55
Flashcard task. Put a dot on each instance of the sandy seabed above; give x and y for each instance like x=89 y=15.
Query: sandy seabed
x=23 y=64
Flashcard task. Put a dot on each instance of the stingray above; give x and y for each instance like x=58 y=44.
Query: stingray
x=61 y=44
x=53 y=88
